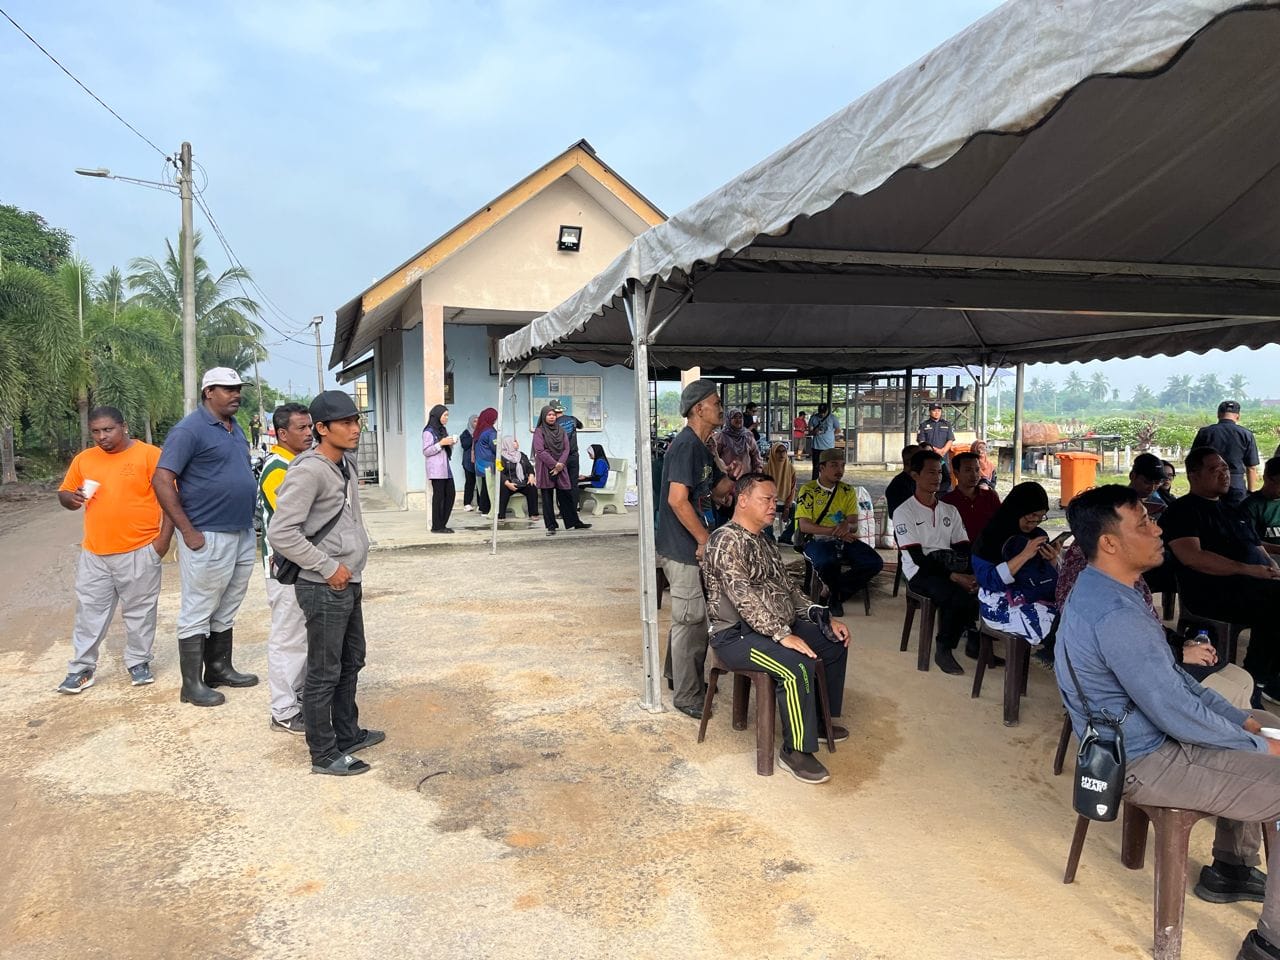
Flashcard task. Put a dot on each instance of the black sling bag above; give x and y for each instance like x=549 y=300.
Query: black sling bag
x=1100 y=765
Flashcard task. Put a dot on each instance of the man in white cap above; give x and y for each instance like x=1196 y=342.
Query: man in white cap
x=206 y=487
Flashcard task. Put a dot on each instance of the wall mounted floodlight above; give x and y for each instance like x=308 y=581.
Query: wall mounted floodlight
x=570 y=238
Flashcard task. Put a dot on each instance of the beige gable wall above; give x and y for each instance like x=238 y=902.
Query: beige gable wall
x=515 y=265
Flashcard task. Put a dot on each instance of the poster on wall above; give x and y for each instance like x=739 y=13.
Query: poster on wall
x=580 y=396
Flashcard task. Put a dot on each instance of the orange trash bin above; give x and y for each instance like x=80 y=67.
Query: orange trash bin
x=1079 y=472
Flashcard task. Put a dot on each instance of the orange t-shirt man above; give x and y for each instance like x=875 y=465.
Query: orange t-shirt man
x=123 y=514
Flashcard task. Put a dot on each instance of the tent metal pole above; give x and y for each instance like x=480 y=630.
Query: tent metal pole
x=906 y=411
x=982 y=401
x=493 y=507
x=637 y=305
x=1017 y=422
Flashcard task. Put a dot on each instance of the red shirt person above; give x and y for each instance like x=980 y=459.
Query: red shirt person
x=976 y=504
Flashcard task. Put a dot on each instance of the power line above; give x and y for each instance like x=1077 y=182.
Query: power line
x=79 y=83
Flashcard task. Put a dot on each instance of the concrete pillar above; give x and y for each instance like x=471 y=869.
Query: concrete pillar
x=688 y=376
x=433 y=358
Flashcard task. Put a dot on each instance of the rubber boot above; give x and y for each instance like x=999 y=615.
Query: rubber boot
x=191 y=662
x=218 y=671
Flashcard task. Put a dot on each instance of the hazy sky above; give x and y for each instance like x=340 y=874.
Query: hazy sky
x=339 y=138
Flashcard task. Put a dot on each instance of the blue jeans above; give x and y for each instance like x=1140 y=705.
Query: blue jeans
x=828 y=554
x=335 y=654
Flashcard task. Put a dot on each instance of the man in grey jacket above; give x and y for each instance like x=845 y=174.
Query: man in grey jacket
x=1187 y=746
x=320 y=495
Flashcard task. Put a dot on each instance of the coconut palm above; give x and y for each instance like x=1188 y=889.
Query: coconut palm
x=1208 y=390
x=110 y=289
x=1178 y=389
x=226 y=333
x=1099 y=387
x=37 y=336
x=1238 y=387
x=1143 y=397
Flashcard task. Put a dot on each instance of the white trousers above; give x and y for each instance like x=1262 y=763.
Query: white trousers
x=286 y=651
x=214 y=581
x=130 y=579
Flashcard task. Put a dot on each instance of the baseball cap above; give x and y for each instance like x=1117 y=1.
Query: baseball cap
x=935 y=406
x=220 y=377
x=557 y=406
x=333 y=405
x=831 y=454
x=1228 y=406
x=1149 y=467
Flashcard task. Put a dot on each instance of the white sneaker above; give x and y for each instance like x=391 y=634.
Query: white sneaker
x=468 y=508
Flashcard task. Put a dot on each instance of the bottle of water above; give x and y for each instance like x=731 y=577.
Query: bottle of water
x=1202 y=637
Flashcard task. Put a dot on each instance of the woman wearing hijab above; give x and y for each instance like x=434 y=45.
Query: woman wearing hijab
x=737 y=447
x=986 y=466
x=784 y=478
x=484 y=451
x=1017 y=567
x=550 y=458
x=599 y=468
x=517 y=477
x=437 y=447
x=465 y=439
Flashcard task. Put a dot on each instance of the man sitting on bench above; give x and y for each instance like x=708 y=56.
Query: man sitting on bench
x=760 y=620
x=1186 y=746
x=827 y=512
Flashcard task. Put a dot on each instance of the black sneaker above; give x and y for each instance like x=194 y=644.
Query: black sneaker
x=694 y=712
x=946 y=662
x=293 y=725
x=1258 y=947
x=805 y=767
x=1228 y=883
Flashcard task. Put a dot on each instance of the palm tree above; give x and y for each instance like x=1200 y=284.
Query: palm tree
x=1238 y=387
x=37 y=327
x=1099 y=387
x=110 y=289
x=1208 y=390
x=226 y=333
x=1143 y=397
x=1177 y=390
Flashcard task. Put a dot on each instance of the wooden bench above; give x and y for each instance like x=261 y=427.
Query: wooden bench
x=613 y=491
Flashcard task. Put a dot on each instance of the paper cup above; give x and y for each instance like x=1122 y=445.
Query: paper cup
x=90 y=487
x=1271 y=733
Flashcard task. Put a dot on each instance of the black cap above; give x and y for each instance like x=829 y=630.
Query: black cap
x=1149 y=467
x=935 y=406
x=1228 y=406
x=333 y=405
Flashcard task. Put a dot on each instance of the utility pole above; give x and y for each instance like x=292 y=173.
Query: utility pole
x=315 y=322
x=257 y=386
x=187 y=242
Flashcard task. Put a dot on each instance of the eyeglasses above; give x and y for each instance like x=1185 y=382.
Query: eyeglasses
x=1035 y=517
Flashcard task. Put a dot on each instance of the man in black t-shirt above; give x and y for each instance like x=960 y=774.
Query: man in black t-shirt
x=1222 y=570
x=685 y=518
x=901 y=488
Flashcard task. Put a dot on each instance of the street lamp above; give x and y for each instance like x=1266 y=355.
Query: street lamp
x=186 y=242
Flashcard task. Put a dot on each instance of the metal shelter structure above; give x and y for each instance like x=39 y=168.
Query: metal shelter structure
x=1061 y=181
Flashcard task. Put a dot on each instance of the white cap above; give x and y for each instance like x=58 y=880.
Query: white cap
x=221 y=377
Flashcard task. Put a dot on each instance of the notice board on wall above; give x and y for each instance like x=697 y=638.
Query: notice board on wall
x=580 y=396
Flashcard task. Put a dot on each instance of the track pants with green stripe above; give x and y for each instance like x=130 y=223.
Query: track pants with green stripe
x=797 y=690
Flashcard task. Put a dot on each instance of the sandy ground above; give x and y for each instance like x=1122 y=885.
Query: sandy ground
x=523 y=804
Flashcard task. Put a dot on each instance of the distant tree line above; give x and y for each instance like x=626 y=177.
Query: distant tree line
x=1077 y=395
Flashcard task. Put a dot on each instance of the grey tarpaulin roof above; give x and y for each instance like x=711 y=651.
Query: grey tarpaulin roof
x=1064 y=180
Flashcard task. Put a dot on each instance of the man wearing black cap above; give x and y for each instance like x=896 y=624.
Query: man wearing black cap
x=1236 y=445
x=935 y=434
x=318 y=525
x=685 y=510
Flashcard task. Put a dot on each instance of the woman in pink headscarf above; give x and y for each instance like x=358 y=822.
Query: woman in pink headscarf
x=736 y=446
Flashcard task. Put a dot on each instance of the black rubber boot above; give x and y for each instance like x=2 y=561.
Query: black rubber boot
x=191 y=662
x=218 y=671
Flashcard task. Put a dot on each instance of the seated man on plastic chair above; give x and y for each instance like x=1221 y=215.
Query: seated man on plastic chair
x=1187 y=747
x=761 y=621
x=827 y=513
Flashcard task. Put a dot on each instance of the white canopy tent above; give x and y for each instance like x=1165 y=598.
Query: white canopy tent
x=1065 y=180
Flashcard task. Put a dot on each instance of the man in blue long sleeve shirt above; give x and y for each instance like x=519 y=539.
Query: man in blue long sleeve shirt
x=1187 y=747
